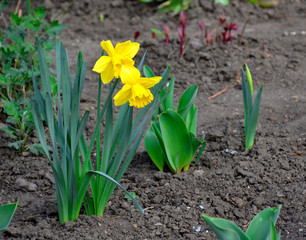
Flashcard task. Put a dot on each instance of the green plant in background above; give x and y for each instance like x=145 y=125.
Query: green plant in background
x=18 y=55
x=262 y=227
x=261 y=3
x=171 y=141
x=7 y=212
x=171 y=5
x=251 y=111
x=223 y=2
x=72 y=166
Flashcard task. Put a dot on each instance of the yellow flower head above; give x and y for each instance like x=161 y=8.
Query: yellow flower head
x=135 y=89
x=118 y=59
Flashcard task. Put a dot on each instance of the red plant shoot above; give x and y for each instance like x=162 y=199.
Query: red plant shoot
x=167 y=33
x=181 y=36
x=183 y=22
x=208 y=37
x=201 y=25
x=222 y=19
x=181 y=30
x=136 y=35
x=227 y=35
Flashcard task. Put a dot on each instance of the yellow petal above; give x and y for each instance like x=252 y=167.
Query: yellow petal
x=149 y=82
x=102 y=64
x=127 y=49
x=108 y=47
x=107 y=74
x=140 y=96
x=123 y=95
x=129 y=75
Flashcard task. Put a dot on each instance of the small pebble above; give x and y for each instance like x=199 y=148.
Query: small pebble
x=25 y=154
x=134 y=225
x=198 y=173
x=24 y=184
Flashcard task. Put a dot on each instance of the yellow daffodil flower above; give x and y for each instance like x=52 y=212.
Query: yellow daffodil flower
x=117 y=61
x=135 y=89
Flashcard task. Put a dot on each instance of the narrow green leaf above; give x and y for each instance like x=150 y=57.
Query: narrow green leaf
x=176 y=138
x=44 y=70
x=186 y=101
x=39 y=127
x=259 y=228
x=191 y=120
x=249 y=78
x=253 y=119
x=148 y=72
x=85 y=183
x=107 y=101
x=89 y=205
x=272 y=235
x=201 y=150
x=142 y=61
x=80 y=131
x=195 y=142
x=247 y=104
x=75 y=103
x=169 y=98
x=38 y=97
x=224 y=229
x=6 y=212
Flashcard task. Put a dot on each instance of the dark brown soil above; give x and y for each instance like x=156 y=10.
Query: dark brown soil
x=227 y=182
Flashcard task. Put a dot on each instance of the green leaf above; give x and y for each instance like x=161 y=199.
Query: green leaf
x=201 y=149
x=186 y=101
x=128 y=197
x=16 y=145
x=55 y=28
x=253 y=1
x=6 y=212
x=225 y=230
x=11 y=108
x=148 y=72
x=253 y=119
x=85 y=183
x=247 y=104
x=156 y=31
x=154 y=149
x=191 y=120
x=272 y=235
x=176 y=139
x=249 y=78
x=223 y=2
x=39 y=13
x=169 y=98
x=195 y=142
x=259 y=228
x=44 y=71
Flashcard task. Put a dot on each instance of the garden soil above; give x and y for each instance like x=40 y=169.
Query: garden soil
x=228 y=182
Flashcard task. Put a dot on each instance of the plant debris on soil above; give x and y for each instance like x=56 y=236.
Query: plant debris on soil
x=227 y=182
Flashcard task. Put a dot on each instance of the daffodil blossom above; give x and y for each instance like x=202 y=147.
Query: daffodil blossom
x=135 y=89
x=119 y=59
